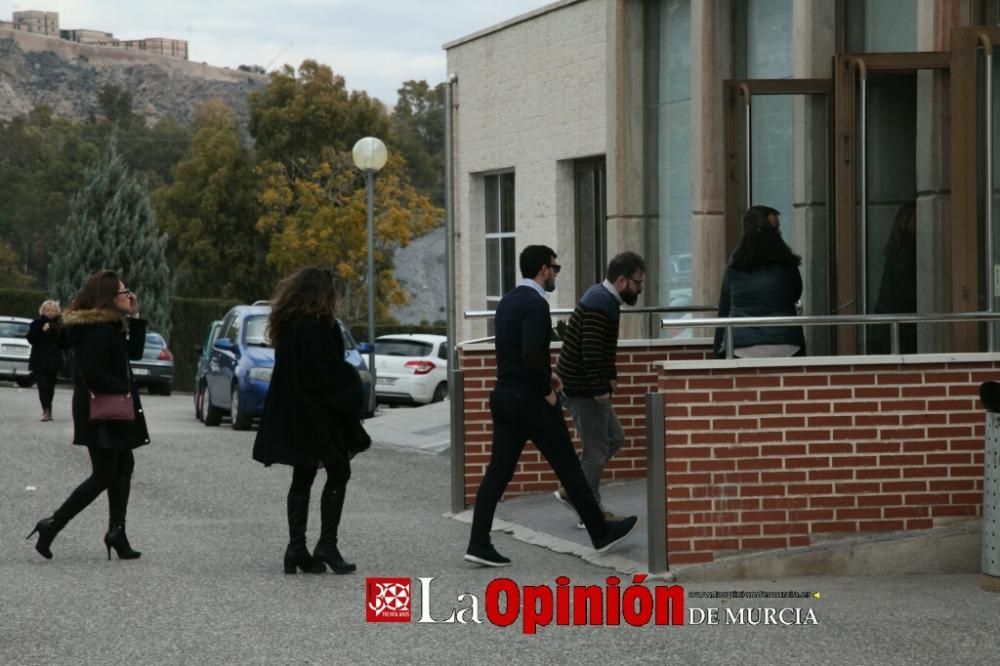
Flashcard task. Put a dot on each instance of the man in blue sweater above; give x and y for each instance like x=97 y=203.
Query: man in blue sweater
x=587 y=367
x=525 y=406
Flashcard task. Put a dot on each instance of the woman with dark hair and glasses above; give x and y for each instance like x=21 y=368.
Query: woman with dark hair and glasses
x=761 y=280
x=312 y=414
x=103 y=327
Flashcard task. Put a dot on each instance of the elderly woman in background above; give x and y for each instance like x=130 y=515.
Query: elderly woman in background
x=46 y=354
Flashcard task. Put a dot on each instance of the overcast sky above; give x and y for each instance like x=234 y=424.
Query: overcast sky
x=374 y=44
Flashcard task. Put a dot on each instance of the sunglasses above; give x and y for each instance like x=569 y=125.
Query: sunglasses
x=555 y=268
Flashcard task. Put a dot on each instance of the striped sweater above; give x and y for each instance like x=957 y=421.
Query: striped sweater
x=587 y=360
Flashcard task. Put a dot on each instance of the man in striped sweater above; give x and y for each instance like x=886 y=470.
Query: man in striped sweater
x=587 y=366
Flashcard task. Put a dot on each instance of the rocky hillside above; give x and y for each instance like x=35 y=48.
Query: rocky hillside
x=65 y=76
x=420 y=267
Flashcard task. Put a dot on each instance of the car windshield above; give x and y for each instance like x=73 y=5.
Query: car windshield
x=255 y=331
x=13 y=329
x=155 y=340
x=403 y=348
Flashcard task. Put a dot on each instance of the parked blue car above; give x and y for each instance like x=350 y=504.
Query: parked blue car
x=241 y=362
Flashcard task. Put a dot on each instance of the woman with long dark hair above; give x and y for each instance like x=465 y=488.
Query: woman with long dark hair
x=46 y=354
x=312 y=414
x=103 y=327
x=762 y=280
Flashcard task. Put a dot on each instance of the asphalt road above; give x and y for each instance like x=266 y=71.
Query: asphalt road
x=209 y=587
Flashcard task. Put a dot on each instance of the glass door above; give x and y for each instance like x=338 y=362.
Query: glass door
x=893 y=195
x=777 y=152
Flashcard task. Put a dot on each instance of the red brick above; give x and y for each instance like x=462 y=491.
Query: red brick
x=900 y=378
x=806 y=380
x=975 y=417
x=808 y=462
x=829 y=394
x=712 y=383
x=783 y=450
x=767 y=436
x=951 y=485
x=922 y=391
x=975 y=471
x=966 y=498
x=738 y=530
x=815 y=435
x=689 y=531
x=855 y=461
x=857 y=488
x=736 y=504
x=880 y=525
x=757 y=409
x=912 y=460
x=964 y=389
x=974 y=444
x=759 y=463
x=716 y=544
x=735 y=424
x=810 y=488
x=687 y=506
x=877 y=447
x=855 y=406
x=761 y=491
x=781 y=396
x=876 y=392
x=671 y=384
x=763 y=543
x=919 y=524
x=734 y=396
x=852 y=379
x=868 y=513
x=831 y=474
x=687 y=452
x=829 y=421
x=809 y=408
x=906 y=511
x=758 y=381
x=783 y=503
x=782 y=477
x=950 y=405
x=877 y=473
x=904 y=486
x=921 y=445
x=672 y=438
x=800 y=540
x=678 y=412
x=903 y=405
x=879 y=500
x=957 y=510
x=832 y=501
x=712 y=465
x=838 y=527
x=921 y=499
x=674 y=545
x=811 y=515
x=692 y=396
x=924 y=472
x=735 y=452
x=689 y=479
x=924 y=419
x=783 y=422
x=876 y=420
x=713 y=410
x=831 y=447
x=946 y=377
x=786 y=528
x=711 y=438
x=733 y=478
x=949 y=458
x=949 y=432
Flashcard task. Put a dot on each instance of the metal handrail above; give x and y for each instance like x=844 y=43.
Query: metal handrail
x=894 y=320
x=646 y=309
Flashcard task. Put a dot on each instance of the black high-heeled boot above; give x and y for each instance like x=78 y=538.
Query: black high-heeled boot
x=116 y=538
x=47 y=529
x=297 y=555
x=331 y=507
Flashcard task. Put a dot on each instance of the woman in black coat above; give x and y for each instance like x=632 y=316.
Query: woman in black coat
x=103 y=328
x=762 y=280
x=312 y=414
x=46 y=354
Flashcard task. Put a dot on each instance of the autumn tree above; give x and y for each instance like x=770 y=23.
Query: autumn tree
x=417 y=131
x=210 y=213
x=313 y=196
x=111 y=226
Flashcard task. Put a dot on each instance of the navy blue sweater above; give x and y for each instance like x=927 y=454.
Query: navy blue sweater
x=523 y=333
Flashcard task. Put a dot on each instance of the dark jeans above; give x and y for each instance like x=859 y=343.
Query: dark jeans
x=331 y=501
x=517 y=417
x=46 y=387
x=112 y=471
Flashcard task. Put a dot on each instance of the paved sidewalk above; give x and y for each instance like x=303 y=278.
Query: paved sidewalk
x=423 y=428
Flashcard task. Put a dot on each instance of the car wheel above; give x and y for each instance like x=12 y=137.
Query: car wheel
x=25 y=382
x=440 y=392
x=240 y=420
x=166 y=389
x=199 y=403
x=213 y=415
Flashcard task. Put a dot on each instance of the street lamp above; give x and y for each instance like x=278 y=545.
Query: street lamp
x=370 y=155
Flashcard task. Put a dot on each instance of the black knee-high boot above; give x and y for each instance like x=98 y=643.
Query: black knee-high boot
x=331 y=508
x=297 y=555
x=118 y=493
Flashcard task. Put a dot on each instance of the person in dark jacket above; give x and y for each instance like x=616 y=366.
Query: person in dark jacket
x=312 y=414
x=103 y=327
x=761 y=280
x=46 y=354
x=525 y=406
x=897 y=292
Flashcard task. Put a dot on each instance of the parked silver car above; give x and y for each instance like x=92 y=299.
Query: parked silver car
x=156 y=367
x=15 y=350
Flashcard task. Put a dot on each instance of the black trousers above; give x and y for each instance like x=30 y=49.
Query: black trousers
x=517 y=417
x=46 y=387
x=331 y=501
x=112 y=471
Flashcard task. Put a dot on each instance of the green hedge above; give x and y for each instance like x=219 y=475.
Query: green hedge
x=191 y=318
x=21 y=302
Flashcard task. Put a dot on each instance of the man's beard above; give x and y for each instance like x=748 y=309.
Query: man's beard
x=630 y=297
x=550 y=284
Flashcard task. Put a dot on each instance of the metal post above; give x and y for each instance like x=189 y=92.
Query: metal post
x=370 y=187
x=863 y=198
x=991 y=295
x=747 y=126
x=729 y=341
x=456 y=378
x=656 y=485
x=894 y=337
x=989 y=393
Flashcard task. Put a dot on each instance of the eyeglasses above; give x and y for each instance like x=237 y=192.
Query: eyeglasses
x=638 y=282
x=555 y=268
x=124 y=292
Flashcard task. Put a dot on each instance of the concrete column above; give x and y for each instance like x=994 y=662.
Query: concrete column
x=627 y=140
x=711 y=63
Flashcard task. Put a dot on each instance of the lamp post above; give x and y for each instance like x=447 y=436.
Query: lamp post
x=370 y=155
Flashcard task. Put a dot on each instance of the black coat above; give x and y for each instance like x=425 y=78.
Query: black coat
x=46 y=350
x=314 y=403
x=771 y=291
x=102 y=345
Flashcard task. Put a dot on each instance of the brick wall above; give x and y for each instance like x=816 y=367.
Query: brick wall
x=636 y=378
x=777 y=457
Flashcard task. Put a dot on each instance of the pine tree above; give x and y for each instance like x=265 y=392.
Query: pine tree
x=111 y=226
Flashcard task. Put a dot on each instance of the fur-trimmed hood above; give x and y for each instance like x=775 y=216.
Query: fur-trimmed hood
x=92 y=316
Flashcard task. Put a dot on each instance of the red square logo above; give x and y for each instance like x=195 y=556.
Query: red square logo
x=387 y=599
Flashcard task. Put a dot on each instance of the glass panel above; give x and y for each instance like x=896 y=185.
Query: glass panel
x=881 y=26
x=493 y=267
x=769 y=39
x=507 y=202
x=892 y=206
x=674 y=152
x=491 y=204
x=509 y=263
x=994 y=149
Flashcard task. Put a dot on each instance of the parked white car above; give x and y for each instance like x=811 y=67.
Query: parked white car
x=411 y=368
x=15 y=350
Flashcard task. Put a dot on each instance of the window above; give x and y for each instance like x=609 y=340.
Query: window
x=501 y=259
x=589 y=178
x=255 y=331
x=403 y=348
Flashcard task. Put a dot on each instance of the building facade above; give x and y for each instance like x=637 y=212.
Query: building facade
x=596 y=126
x=44 y=23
